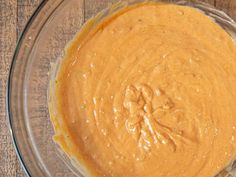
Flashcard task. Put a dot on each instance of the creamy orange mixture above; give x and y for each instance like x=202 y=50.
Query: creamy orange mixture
x=149 y=92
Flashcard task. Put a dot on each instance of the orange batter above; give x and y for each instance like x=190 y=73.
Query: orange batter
x=149 y=92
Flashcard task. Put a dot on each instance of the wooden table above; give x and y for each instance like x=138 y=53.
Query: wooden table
x=13 y=16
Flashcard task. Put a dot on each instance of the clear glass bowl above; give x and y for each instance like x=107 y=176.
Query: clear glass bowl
x=41 y=45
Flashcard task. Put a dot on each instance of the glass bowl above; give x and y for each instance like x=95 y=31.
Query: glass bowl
x=41 y=45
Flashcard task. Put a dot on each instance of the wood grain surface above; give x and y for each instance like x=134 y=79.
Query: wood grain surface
x=13 y=17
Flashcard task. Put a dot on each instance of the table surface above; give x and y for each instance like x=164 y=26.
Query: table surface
x=13 y=16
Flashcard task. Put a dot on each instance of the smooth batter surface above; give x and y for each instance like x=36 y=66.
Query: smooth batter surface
x=150 y=93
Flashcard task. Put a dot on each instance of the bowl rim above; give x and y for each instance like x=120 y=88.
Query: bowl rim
x=18 y=45
x=8 y=85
